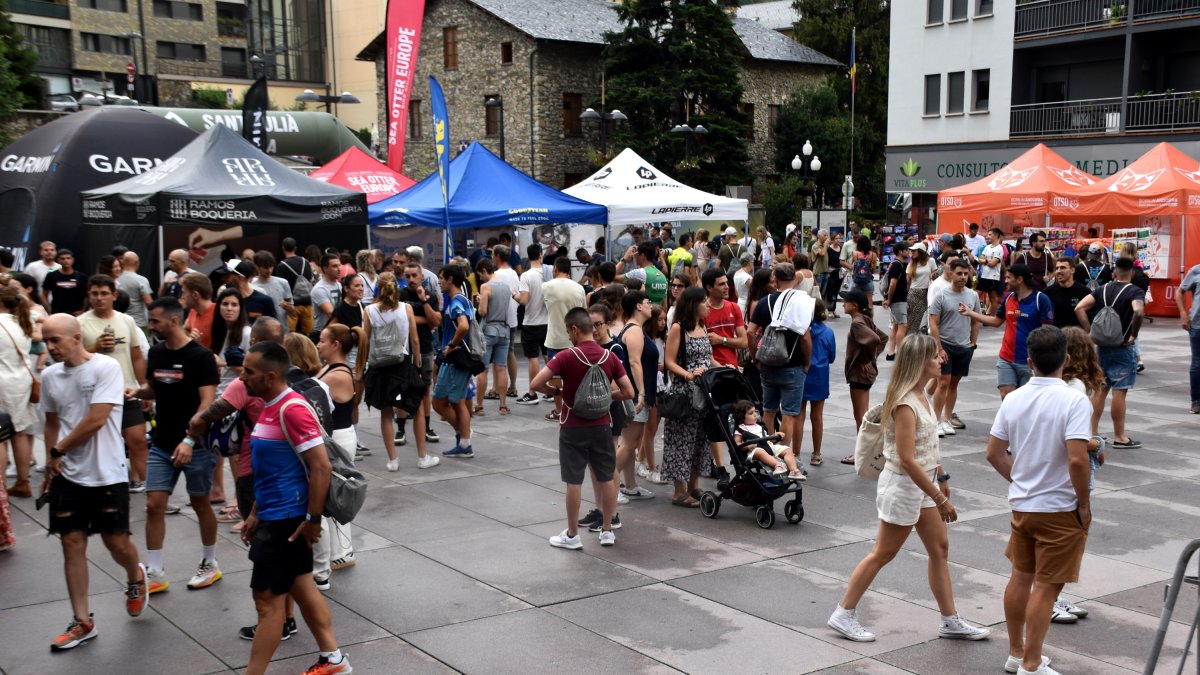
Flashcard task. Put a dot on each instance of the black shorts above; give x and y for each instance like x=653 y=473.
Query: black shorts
x=859 y=386
x=400 y=386
x=581 y=447
x=277 y=561
x=958 y=360
x=243 y=487
x=987 y=285
x=131 y=414
x=533 y=341
x=95 y=510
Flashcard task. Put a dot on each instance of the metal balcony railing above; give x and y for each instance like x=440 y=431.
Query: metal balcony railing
x=239 y=70
x=1039 y=18
x=47 y=8
x=1102 y=116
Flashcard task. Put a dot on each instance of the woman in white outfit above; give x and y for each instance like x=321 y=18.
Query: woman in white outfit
x=335 y=344
x=16 y=381
x=913 y=491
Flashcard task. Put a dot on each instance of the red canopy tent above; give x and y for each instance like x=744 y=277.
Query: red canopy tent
x=357 y=170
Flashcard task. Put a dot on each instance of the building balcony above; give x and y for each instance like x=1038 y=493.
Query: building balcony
x=1168 y=111
x=189 y=68
x=47 y=8
x=1042 y=18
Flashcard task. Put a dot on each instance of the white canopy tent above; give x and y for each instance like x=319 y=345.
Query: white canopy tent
x=636 y=192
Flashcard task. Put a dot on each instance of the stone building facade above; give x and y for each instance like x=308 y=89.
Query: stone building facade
x=479 y=49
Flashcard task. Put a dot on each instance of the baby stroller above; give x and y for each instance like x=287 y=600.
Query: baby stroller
x=752 y=483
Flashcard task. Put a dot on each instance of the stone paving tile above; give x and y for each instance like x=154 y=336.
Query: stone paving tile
x=697 y=635
x=30 y=573
x=402 y=514
x=526 y=566
x=977 y=594
x=659 y=551
x=986 y=657
x=125 y=644
x=530 y=641
x=391 y=588
x=213 y=617
x=803 y=601
x=1121 y=637
x=1150 y=599
x=499 y=496
x=387 y=655
x=862 y=667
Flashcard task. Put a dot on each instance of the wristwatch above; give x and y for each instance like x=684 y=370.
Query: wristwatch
x=310 y=518
x=724 y=340
x=56 y=453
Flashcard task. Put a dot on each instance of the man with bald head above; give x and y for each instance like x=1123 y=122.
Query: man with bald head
x=136 y=286
x=177 y=267
x=82 y=397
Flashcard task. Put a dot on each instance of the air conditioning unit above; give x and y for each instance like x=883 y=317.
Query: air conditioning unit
x=738 y=192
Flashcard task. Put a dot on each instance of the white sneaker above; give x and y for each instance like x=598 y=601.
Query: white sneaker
x=779 y=470
x=948 y=428
x=1013 y=664
x=562 y=540
x=207 y=574
x=1043 y=670
x=1061 y=615
x=621 y=498
x=941 y=429
x=641 y=470
x=846 y=622
x=956 y=628
x=1070 y=607
x=393 y=464
x=638 y=492
x=607 y=538
x=426 y=462
x=656 y=478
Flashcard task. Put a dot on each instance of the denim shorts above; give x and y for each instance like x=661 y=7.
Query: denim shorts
x=162 y=474
x=783 y=389
x=1119 y=365
x=451 y=383
x=1010 y=374
x=495 y=349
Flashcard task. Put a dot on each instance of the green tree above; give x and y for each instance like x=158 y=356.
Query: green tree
x=676 y=62
x=825 y=26
x=19 y=87
x=814 y=115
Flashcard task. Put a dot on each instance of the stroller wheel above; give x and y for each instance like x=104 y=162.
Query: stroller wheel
x=765 y=515
x=710 y=504
x=793 y=511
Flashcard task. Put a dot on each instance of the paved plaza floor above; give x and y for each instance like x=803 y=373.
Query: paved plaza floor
x=454 y=572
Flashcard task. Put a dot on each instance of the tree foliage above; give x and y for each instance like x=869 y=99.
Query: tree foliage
x=825 y=25
x=676 y=61
x=19 y=87
x=813 y=114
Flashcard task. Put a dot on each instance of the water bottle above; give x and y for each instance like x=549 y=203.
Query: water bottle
x=108 y=330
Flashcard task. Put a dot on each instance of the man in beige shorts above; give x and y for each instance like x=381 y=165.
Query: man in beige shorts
x=1039 y=444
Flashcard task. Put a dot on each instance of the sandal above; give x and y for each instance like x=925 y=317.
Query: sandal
x=816 y=460
x=478 y=411
x=686 y=502
x=237 y=527
x=504 y=410
x=227 y=516
x=848 y=460
x=695 y=494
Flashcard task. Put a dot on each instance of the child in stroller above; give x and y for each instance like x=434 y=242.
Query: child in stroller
x=745 y=415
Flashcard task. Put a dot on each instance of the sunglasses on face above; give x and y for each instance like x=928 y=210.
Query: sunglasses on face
x=678 y=286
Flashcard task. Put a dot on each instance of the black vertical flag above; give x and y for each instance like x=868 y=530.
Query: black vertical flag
x=254 y=114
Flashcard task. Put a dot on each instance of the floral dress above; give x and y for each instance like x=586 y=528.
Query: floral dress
x=685 y=444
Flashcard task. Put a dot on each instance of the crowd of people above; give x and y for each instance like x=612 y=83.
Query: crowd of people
x=266 y=360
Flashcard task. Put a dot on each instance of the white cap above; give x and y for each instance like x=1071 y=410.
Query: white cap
x=730 y=232
x=919 y=246
x=789 y=229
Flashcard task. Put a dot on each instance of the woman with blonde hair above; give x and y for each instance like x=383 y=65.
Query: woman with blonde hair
x=392 y=355
x=302 y=353
x=912 y=491
x=16 y=384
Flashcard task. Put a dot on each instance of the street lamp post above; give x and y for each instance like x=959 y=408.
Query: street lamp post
x=497 y=102
x=689 y=132
x=310 y=96
x=603 y=118
x=137 y=79
x=808 y=171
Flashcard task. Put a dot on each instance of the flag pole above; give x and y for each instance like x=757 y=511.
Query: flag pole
x=853 y=91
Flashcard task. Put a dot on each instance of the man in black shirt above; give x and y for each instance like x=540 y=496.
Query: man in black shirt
x=65 y=289
x=895 y=297
x=238 y=274
x=290 y=269
x=182 y=380
x=1064 y=293
x=1039 y=260
x=1093 y=273
x=428 y=318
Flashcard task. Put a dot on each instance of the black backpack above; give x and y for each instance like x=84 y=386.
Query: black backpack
x=312 y=391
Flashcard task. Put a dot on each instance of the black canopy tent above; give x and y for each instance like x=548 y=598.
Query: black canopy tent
x=42 y=170
x=222 y=188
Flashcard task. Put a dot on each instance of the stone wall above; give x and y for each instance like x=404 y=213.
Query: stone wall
x=764 y=84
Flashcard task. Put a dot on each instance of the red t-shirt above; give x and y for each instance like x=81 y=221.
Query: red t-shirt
x=202 y=322
x=251 y=407
x=724 y=322
x=567 y=365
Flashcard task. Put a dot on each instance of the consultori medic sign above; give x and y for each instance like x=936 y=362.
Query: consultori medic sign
x=917 y=169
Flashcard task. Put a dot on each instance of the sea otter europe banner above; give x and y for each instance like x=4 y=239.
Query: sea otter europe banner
x=403 y=40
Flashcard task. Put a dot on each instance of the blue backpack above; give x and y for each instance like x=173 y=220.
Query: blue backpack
x=862 y=270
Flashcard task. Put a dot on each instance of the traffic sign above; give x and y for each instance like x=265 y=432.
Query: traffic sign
x=130 y=68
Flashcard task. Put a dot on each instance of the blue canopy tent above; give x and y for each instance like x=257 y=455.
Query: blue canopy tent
x=485 y=192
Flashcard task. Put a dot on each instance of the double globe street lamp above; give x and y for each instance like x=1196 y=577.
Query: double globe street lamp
x=603 y=118
x=689 y=132
x=808 y=168
x=310 y=96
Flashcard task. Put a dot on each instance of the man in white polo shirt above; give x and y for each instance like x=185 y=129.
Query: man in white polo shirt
x=1039 y=444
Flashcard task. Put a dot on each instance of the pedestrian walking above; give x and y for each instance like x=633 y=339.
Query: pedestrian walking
x=956 y=334
x=1039 y=444
x=584 y=442
x=1114 y=326
x=450 y=391
x=336 y=551
x=86 y=476
x=291 y=480
x=921 y=271
x=912 y=491
x=1190 y=322
x=16 y=383
x=688 y=356
x=895 y=297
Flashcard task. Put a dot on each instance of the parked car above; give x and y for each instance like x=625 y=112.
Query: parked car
x=64 y=103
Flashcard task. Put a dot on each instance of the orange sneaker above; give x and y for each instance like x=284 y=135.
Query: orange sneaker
x=136 y=597
x=156 y=581
x=324 y=667
x=79 y=632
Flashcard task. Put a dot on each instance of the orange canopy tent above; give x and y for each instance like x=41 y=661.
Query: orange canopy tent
x=1033 y=183
x=1164 y=181
x=357 y=170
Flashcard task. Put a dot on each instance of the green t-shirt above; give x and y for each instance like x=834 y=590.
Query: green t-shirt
x=656 y=284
